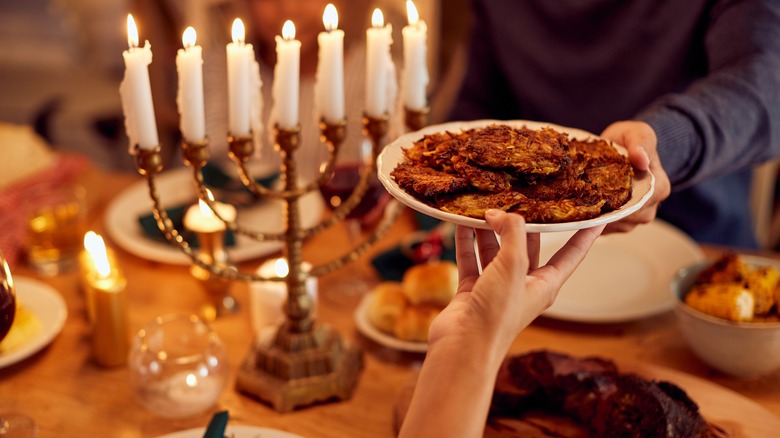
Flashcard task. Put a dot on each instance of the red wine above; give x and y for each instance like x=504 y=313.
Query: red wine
x=344 y=180
x=7 y=311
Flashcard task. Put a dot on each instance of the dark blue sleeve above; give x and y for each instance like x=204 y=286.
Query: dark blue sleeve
x=729 y=119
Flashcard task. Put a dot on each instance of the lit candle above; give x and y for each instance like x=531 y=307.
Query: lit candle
x=107 y=302
x=287 y=76
x=187 y=392
x=329 y=86
x=189 y=99
x=415 y=78
x=200 y=218
x=268 y=297
x=239 y=64
x=380 y=70
x=136 y=92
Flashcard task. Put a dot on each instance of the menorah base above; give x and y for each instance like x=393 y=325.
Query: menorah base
x=286 y=380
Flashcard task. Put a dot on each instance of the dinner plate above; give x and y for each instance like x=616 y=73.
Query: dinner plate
x=176 y=187
x=625 y=276
x=392 y=154
x=365 y=327
x=48 y=307
x=234 y=432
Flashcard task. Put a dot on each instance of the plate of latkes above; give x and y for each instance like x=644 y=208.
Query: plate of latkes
x=558 y=178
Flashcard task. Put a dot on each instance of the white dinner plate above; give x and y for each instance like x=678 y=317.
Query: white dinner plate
x=176 y=187
x=365 y=327
x=234 y=432
x=642 y=185
x=625 y=276
x=48 y=307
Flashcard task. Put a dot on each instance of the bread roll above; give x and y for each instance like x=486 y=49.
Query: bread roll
x=431 y=283
x=414 y=322
x=22 y=153
x=387 y=304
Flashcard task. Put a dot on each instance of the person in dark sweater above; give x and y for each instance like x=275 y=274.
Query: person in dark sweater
x=694 y=84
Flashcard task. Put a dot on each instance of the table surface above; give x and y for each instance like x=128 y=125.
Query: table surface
x=65 y=391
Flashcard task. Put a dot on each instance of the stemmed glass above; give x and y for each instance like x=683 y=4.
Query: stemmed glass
x=12 y=424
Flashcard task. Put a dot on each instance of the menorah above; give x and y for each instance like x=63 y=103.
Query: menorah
x=305 y=361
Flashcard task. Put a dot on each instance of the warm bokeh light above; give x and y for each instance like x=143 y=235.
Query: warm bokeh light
x=205 y=209
x=377 y=19
x=288 y=30
x=239 y=33
x=411 y=13
x=96 y=248
x=330 y=18
x=132 y=32
x=280 y=268
x=189 y=37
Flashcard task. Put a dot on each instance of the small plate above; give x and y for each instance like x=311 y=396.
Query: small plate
x=625 y=276
x=365 y=327
x=176 y=187
x=642 y=184
x=48 y=307
x=234 y=432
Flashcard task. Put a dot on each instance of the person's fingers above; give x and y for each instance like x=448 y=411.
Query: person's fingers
x=487 y=245
x=466 y=258
x=563 y=263
x=534 y=246
x=511 y=230
x=639 y=140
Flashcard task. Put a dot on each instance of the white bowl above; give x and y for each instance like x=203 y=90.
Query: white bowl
x=741 y=349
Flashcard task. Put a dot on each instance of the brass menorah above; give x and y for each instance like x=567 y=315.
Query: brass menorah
x=305 y=361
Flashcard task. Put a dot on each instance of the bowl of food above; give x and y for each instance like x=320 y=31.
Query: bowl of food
x=728 y=313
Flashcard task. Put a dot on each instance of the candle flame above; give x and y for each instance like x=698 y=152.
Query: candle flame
x=411 y=13
x=239 y=33
x=205 y=209
x=288 y=30
x=377 y=19
x=132 y=32
x=330 y=18
x=96 y=248
x=189 y=37
x=280 y=268
x=191 y=380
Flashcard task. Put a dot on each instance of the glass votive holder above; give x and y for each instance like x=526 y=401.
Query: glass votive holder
x=178 y=366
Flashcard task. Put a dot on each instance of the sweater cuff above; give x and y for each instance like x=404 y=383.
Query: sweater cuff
x=678 y=147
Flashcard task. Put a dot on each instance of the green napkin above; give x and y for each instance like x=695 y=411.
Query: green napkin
x=217 y=425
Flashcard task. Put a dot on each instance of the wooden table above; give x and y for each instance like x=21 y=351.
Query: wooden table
x=68 y=395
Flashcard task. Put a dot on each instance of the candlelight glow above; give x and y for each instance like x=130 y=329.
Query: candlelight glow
x=288 y=30
x=96 y=248
x=189 y=37
x=280 y=268
x=411 y=13
x=377 y=19
x=191 y=380
x=132 y=32
x=330 y=18
x=205 y=209
x=238 y=31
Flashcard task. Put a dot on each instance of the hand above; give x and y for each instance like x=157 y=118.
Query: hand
x=492 y=308
x=640 y=140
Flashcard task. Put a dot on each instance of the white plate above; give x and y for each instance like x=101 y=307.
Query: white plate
x=625 y=276
x=392 y=154
x=176 y=187
x=365 y=327
x=49 y=309
x=234 y=432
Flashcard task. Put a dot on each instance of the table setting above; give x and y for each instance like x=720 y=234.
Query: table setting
x=209 y=303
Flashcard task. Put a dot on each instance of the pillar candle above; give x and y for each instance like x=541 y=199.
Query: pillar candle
x=189 y=99
x=329 y=86
x=136 y=92
x=415 y=77
x=200 y=218
x=287 y=77
x=268 y=297
x=380 y=76
x=107 y=301
x=239 y=68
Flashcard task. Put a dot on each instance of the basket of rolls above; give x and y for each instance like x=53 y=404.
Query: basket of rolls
x=404 y=310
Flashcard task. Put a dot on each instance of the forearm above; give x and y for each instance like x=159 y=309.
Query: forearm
x=453 y=392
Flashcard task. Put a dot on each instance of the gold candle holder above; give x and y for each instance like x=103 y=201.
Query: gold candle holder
x=220 y=302
x=416 y=119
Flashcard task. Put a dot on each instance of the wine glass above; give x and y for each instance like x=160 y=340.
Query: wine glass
x=344 y=179
x=12 y=424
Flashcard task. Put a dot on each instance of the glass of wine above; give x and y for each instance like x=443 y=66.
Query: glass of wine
x=346 y=176
x=12 y=424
